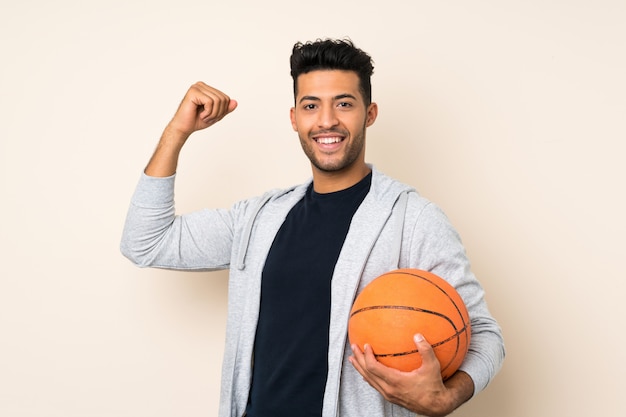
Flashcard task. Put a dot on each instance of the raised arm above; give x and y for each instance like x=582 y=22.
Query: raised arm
x=201 y=107
x=153 y=235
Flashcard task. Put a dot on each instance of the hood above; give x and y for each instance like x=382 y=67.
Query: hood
x=383 y=191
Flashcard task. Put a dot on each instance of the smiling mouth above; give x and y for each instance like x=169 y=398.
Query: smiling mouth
x=328 y=140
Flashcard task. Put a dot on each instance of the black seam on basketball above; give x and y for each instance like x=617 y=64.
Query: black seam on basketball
x=391 y=355
x=457 y=334
x=397 y=307
x=438 y=287
x=434 y=345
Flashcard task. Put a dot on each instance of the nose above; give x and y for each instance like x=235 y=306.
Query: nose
x=327 y=117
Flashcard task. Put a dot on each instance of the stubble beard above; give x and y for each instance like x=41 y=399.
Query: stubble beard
x=351 y=154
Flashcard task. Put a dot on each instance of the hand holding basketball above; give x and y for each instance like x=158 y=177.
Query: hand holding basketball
x=409 y=332
x=421 y=390
x=399 y=304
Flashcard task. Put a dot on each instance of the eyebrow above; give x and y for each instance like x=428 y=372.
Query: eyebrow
x=338 y=97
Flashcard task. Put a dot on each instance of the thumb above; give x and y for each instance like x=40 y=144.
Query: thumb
x=426 y=351
x=232 y=105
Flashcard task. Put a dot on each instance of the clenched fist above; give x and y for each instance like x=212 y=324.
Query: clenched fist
x=201 y=107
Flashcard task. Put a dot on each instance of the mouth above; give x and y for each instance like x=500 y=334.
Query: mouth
x=329 y=138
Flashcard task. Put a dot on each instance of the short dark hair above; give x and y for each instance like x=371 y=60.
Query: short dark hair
x=332 y=54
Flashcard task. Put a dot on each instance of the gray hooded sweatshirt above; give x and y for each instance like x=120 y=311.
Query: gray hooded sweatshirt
x=393 y=228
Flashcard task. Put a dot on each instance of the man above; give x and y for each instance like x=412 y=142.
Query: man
x=299 y=256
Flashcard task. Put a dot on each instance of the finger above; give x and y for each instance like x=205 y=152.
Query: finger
x=379 y=375
x=215 y=103
x=376 y=368
x=357 y=359
x=211 y=101
x=370 y=359
x=232 y=105
x=223 y=106
x=359 y=362
x=222 y=103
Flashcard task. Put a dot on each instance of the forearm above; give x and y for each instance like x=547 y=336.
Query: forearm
x=460 y=388
x=457 y=390
x=164 y=160
x=201 y=107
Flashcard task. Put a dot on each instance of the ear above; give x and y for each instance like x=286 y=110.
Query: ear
x=292 y=116
x=372 y=114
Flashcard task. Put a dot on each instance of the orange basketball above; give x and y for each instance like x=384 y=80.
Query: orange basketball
x=395 y=306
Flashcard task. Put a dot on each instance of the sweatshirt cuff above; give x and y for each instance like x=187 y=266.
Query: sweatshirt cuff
x=480 y=368
x=154 y=191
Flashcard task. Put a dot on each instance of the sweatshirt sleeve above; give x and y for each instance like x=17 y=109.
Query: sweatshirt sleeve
x=439 y=249
x=154 y=236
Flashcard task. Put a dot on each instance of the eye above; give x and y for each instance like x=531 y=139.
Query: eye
x=309 y=106
x=344 y=104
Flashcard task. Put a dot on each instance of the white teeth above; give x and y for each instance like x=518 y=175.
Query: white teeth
x=327 y=141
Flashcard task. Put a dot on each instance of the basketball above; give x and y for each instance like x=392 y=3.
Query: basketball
x=398 y=304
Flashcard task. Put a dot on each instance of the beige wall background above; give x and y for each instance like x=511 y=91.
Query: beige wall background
x=508 y=114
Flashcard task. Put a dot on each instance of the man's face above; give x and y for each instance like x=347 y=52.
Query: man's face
x=330 y=117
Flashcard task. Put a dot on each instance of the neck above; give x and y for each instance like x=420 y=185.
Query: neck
x=330 y=182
